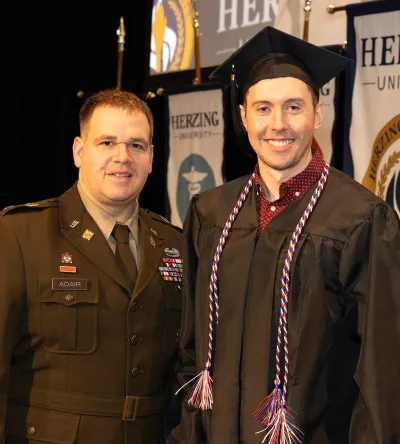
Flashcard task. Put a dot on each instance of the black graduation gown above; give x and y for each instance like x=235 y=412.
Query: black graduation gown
x=344 y=316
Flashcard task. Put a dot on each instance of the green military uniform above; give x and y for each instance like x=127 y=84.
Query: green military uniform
x=82 y=360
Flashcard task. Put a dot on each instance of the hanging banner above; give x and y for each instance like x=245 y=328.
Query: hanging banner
x=324 y=28
x=196 y=142
x=323 y=135
x=329 y=136
x=372 y=154
x=224 y=24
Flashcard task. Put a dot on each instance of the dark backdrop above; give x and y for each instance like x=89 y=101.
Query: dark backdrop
x=49 y=53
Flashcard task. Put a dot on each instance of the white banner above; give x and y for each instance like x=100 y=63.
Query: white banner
x=196 y=142
x=324 y=28
x=375 y=124
x=323 y=135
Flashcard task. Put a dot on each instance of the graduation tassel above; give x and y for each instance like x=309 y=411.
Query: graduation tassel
x=273 y=411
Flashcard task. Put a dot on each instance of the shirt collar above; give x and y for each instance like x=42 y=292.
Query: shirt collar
x=104 y=220
x=297 y=185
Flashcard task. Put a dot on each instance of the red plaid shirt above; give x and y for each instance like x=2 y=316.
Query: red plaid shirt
x=288 y=191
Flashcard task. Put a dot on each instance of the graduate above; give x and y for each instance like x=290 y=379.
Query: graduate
x=291 y=311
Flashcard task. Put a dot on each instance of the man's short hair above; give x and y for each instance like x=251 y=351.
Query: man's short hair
x=314 y=97
x=115 y=99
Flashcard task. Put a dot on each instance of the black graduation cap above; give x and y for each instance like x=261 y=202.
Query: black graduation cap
x=272 y=54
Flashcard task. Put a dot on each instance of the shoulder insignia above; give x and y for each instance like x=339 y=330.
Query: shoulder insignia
x=162 y=219
x=30 y=205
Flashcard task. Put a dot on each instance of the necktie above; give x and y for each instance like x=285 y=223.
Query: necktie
x=124 y=254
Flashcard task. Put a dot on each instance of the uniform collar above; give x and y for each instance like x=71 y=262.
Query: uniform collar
x=104 y=220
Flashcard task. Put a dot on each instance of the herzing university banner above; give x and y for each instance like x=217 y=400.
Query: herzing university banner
x=374 y=134
x=196 y=142
x=327 y=136
x=323 y=135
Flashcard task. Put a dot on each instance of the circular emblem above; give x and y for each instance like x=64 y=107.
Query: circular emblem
x=66 y=258
x=195 y=176
x=382 y=176
x=172 y=39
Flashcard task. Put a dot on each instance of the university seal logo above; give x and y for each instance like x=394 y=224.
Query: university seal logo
x=195 y=176
x=172 y=39
x=382 y=176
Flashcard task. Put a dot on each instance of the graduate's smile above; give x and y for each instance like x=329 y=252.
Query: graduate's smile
x=280 y=143
x=280 y=118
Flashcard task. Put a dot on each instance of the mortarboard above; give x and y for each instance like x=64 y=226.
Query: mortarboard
x=271 y=54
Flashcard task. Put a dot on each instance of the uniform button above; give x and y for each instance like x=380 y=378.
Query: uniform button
x=31 y=430
x=69 y=297
x=136 y=371
x=297 y=194
x=135 y=339
x=273 y=208
x=178 y=287
x=135 y=306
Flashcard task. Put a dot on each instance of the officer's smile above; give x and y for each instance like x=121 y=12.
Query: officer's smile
x=120 y=175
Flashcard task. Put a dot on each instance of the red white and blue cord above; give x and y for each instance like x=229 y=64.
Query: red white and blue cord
x=273 y=411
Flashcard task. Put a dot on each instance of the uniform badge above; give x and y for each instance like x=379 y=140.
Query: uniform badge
x=171 y=269
x=87 y=235
x=152 y=241
x=67 y=269
x=66 y=258
x=74 y=223
x=153 y=231
x=172 y=252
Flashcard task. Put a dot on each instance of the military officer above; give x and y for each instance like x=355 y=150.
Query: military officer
x=90 y=295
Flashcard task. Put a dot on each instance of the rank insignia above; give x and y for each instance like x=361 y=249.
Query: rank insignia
x=152 y=241
x=87 y=235
x=74 y=223
x=153 y=231
x=66 y=258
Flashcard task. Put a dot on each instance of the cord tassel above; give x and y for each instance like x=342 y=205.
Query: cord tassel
x=200 y=395
x=268 y=407
x=282 y=429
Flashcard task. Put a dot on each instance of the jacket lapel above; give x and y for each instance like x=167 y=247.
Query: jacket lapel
x=81 y=230
x=152 y=247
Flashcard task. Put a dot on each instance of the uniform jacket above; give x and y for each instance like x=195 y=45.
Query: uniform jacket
x=81 y=359
x=343 y=316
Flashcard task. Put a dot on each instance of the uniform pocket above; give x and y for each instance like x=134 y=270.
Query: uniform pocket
x=41 y=425
x=173 y=300
x=68 y=318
